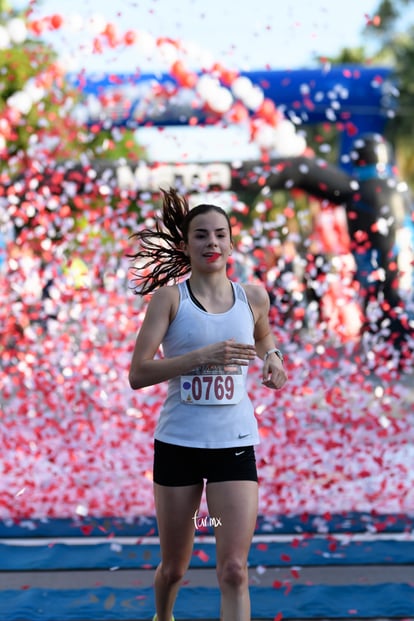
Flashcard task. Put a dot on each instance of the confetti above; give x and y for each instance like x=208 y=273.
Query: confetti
x=77 y=441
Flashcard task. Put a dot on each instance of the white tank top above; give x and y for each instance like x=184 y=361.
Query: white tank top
x=208 y=407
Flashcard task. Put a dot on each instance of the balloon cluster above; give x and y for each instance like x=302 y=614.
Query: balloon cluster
x=227 y=95
x=14 y=32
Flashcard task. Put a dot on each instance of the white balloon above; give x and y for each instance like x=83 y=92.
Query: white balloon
x=4 y=38
x=20 y=101
x=254 y=98
x=206 y=85
x=299 y=145
x=168 y=53
x=265 y=136
x=36 y=93
x=289 y=146
x=17 y=30
x=285 y=129
x=241 y=87
x=220 y=100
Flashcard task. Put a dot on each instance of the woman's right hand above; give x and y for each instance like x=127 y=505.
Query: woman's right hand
x=229 y=352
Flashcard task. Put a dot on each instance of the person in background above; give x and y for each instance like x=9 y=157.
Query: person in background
x=209 y=329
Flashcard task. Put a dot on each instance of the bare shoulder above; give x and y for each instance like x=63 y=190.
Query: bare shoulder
x=165 y=300
x=165 y=294
x=257 y=295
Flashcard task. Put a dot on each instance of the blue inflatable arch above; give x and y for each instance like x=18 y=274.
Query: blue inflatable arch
x=364 y=97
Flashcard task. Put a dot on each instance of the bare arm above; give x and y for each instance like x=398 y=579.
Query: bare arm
x=146 y=369
x=274 y=373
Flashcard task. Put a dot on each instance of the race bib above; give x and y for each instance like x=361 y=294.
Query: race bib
x=213 y=386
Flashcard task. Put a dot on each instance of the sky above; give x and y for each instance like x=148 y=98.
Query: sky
x=238 y=34
x=247 y=35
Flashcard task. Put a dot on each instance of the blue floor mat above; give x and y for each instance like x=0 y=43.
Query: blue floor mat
x=301 y=602
x=316 y=552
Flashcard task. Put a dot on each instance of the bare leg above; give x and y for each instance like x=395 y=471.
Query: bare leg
x=175 y=508
x=234 y=504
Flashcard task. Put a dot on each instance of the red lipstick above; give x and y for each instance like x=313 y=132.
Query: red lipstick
x=213 y=257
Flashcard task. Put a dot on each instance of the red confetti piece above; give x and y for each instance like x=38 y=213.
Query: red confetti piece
x=86 y=529
x=203 y=556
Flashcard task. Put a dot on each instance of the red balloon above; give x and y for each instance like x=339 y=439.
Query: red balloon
x=238 y=113
x=56 y=21
x=268 y=112
x=36 y=27
x=130 y=37
x=227 y=76
x=184 y=78
x=110 y=34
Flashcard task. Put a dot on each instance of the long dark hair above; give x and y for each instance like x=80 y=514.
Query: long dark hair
x=160 y=258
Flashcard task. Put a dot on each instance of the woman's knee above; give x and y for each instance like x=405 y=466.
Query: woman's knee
x=232 y=573
x=171 y=573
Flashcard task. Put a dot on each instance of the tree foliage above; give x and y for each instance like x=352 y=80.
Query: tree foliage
x=389 y=39
x=37 y=119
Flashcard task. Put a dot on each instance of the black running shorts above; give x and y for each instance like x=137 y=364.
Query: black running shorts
x=181 y=465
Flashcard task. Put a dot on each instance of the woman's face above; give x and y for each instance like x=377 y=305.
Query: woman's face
x=209 y=242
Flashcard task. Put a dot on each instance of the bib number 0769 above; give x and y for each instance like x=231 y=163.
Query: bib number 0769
x=211 y=389
x=216 y=386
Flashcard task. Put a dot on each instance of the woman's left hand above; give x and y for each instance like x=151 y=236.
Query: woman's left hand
x=274 y=373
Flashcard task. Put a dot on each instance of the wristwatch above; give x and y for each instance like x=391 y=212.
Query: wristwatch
x=273 y=351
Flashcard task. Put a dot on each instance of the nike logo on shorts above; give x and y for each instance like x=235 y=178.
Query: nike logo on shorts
x=240 y=453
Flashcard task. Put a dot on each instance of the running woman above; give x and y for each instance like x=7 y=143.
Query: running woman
x=200 y=333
